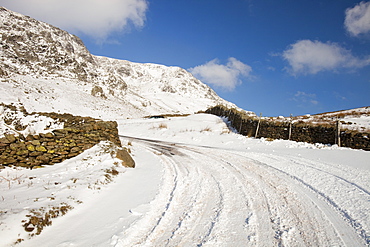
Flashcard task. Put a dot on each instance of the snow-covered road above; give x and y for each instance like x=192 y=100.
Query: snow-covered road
x=215 y=197
x=198 y=184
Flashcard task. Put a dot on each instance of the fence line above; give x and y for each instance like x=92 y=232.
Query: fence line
x=258 y=125
x=304 y=132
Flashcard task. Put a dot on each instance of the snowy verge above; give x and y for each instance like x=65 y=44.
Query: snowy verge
x=198 y=183
x=31 y=199
x=28 y=124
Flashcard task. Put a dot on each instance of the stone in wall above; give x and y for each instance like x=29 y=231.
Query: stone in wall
x=302 y=132
x=78 y=135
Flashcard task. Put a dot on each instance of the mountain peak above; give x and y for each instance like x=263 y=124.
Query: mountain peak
x=46 y=63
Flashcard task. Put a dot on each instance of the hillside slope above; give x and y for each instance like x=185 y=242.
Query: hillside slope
x=195 y=183
x=48 y=69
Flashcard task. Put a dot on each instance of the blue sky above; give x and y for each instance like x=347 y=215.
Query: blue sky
x=274 y=57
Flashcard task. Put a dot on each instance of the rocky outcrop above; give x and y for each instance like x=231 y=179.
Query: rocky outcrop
x=31 y=46
x=78 y=135
x=34 y=54
x=98 y=92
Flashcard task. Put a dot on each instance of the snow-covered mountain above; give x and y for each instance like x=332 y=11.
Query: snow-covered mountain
x=48 y=69
x=196 y=183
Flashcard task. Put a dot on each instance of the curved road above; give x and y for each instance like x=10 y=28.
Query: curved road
x=218 y=197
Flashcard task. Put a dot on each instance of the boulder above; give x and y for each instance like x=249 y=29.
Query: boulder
x=126 y=158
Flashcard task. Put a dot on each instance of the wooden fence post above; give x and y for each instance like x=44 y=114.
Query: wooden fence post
x=258 y=125
x=338 y=133
x=290 y=127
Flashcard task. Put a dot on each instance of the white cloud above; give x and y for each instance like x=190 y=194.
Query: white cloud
x=95 y=18
x=305 y=98
x=311 y=57
x=357 y=19
x=223 y=76
x=339 y=96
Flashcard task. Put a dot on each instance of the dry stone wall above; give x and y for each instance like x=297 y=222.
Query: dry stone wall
x=303 y=132
x=78 y=135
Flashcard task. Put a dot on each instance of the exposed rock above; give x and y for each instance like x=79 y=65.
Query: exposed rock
x=79 y=134
x=35 y=153
x=97 y=91
x=40 y=49
x=8 y=161
x=36 y=143
x=41 y=149
x=22 y=152
x=31 y=147
x=29 y=227
x=13 y=146
x=10 y=138
x=49 y=135
x=29 y=138
x=4 y=141
x=126 y=158
x=37 y=50
x=75 y=149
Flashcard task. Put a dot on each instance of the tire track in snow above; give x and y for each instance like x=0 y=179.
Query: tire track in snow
x=264 y=230
x=139 y=232
x=276 y=230
x=181 y=222
x=312 y=165
x=257 y=220
x=275 y=203
x=172 y=208
x=186 y=194
x=348 y=234
x=207 y=213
